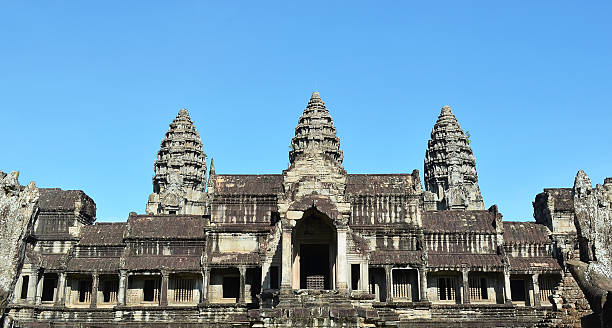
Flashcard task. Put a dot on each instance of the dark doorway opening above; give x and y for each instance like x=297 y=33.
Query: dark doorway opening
x=49 y=285
x=231 y=287
x=355 y=276
x=314 y=266
x=517 y=289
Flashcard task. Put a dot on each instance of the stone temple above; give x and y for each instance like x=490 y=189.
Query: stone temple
x=311 y=246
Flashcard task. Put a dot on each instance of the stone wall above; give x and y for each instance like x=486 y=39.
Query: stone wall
x=17 y=207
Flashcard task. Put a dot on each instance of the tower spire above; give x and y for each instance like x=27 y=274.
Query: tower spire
x=180 y=170
x=316 y=131
x=450 y=167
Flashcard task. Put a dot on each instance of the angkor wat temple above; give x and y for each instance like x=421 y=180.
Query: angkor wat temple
x=313 y=246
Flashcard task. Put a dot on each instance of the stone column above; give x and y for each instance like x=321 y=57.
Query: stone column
x=39 y=288
x=122 y=287
x=286 y=258
x=242 y=298
x=466 y=286
x=94 y=290
x=163 y=300
x=388 y=283
x=32 y=287
x=341 y=275
x=536 y=289
x=423 y=283
x=61 y=290
x=507 y=290
x=205 y=285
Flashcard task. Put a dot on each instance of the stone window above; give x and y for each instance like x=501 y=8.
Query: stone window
x=355 y=276
x=547 y=284
x=151 y=290
x=49 y=285
x=84 y=290
x=517 y=289
x=404 y=284
x=109 y=289
x=25 y=281
x=231 y=287
x=478 y=288
x=183 y=290
x=447 y=289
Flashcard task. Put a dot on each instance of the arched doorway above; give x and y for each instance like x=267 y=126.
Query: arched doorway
x=314 y=249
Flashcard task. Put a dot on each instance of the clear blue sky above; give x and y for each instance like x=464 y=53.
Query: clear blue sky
x=87 y=89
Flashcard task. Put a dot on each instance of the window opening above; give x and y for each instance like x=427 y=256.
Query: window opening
x=25 y=281
x=274 y=281
x=231 y=287
x=151 y=290
x=355 y=276
x=183 y=290
x=48 y=289
x=84 y=291
x=109 y=291
x=446 y=289
x=517 y=289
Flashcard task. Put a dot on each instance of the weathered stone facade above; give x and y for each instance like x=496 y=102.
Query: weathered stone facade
x=313 y=246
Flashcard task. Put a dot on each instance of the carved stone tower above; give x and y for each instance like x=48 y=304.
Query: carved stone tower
x=450 y=167
x=180 y=171
x=316 y=129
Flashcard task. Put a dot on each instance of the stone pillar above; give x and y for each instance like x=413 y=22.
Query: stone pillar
x=466 y=286
x=242 y=298
x=39 y=288
x=32 y=287
x=341 y=262
x=507 y=290
x=205 y=285
x=163 y=300
x=536 y=289
x=122 y=287
x=388 y=283
x=423 y=284
x=61 y=290
x=286 y=258
x=94 y=290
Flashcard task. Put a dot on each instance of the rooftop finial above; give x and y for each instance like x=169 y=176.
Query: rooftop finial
x=212 y=166
x=315 y=95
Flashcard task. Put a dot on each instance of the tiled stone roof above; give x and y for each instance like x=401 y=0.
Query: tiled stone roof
x=395 y=257
x=459 y=221
x=162 y=262
x=234 y=258
x=483 y=261
x=525 y=233
x=58 y=200
x=563 y=199
x=533 y=263
x=102 y=234
x=165 y=227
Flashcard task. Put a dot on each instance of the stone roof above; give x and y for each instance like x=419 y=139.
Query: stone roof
x=165 y=227
x=375 y=184
x=102 y=234
x=316 y=129
x=459 y=221
x=525 y=233
x=58 y=200
x=242 y=184
x=395 y=257
x=482 y=261
x=93 y=264
x=152 y=262
x=563 y=199
x=533 y=263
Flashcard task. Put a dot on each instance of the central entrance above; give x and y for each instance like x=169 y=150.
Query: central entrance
x=314 y=252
